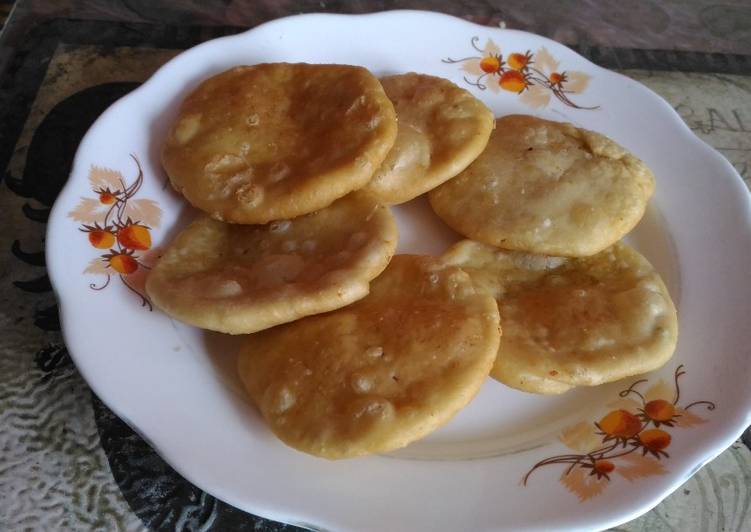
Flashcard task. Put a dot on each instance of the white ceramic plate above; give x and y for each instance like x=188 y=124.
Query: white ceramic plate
x=175 y=385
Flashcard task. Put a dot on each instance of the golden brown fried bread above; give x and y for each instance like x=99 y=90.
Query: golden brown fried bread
x=532 y=383
x=442 y=128
x=546 y=187
x=573 y=321
x=378 y=374
x=275 y=141
x=242 y=278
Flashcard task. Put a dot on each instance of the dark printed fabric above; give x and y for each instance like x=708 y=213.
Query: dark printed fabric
x=60 y=434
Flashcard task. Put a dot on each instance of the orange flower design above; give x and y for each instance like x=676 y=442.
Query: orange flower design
x=116 y=222
x=619 y=424
x=134 y=235
x=106 y=196
x=603 y=467
x=513 y=81
x=100 y=237
x=535 y=77
x=655 y=441
x=490 y=64
x=612 y=444
x=659 y=411
x=519 y=61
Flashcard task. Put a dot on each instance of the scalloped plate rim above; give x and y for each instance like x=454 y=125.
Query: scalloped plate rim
x=718 y=443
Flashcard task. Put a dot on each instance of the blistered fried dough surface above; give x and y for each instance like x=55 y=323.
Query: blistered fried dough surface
x=378 y=374
x=242 y=278
x=573 y=321
x=546 y=187
x=275 y=141
x=442 y=129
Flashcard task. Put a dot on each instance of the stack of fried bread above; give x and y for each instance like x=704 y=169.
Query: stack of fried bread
x=351 y=350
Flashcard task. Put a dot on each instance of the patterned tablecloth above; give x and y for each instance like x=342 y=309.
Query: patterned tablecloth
x=67 y=462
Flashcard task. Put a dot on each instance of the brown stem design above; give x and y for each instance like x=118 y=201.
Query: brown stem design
x=93 y=286
x=450 y=61
x=562 y=97
x=622 y=453
x=603 y=451
x=121 y=210
x=128 y=192
x=477 y=83
x=679 y=372
x=131 y=191
x=144 y=302
x=539 y=81
x=109 y=211
x=577 y=459
x=631 y=389
x=474 y=42
x=538 y=72
x=710 y=405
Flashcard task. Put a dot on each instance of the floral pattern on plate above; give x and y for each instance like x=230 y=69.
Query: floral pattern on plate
x=535 y=77
x=121 y=226
x=630 y=440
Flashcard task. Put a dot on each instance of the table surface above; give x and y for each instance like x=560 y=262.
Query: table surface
x=67 y=462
